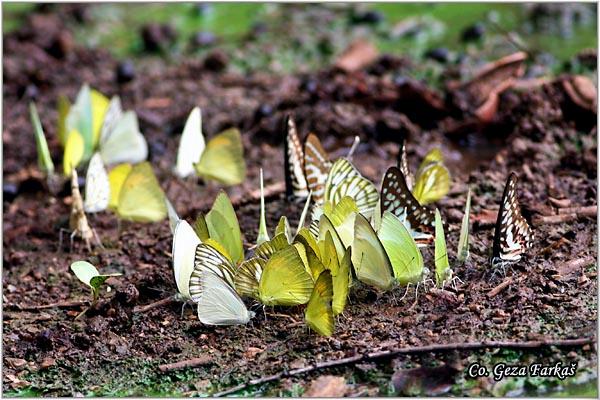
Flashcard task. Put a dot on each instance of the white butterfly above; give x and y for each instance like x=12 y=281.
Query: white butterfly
x=97 y=187
x=120 y=137
x=192 y=145
x=185 y=241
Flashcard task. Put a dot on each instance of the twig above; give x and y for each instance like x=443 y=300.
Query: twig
x=560 y=203
x=284 y=316
x=192 y=362
x=500 y=287
x=60 y=304
x=587 y=211
x=271 y=190
x=384 y=354
x=159 y=303
x=554 y=219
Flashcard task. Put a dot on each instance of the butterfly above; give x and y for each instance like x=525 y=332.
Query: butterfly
x=319 y=312
x=221 y=159
x=97 y=186
x=443 y=272
x=184 y=246
x=341 y=216
x=339 y=268
x=432 y=180
x=221 y=224
x=463 y=241
x=316 y=167
x=285 y=280
x=135 y=193
x=512 y=235
x=396 y=198
x=44 y=159
x=401 y=249
x=345 y=180
x=369 y=258
x=120 y=137
x=212 y=288
x=295 y=181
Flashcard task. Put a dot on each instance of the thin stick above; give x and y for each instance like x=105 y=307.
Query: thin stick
x=192 y=362
x=385 y=354
x=587 y=211
x=500 y=287
x=159 y=303
x=60 y=304
x=554 y=219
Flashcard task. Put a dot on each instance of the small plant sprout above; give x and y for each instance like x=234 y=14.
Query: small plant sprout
x=44 y=159
x=89 y=275
x=463 y=241
x=263 y=234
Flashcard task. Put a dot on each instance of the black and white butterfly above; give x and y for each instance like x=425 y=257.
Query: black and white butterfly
x=295 y=180
x=397 y=198
x=512 y=235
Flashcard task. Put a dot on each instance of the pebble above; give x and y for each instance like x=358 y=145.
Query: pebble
x=473 y=32
x=216 y=61
x=125 y=71
x=439 y=54
x=203 y=39
x=10 y=190
x=47 y=363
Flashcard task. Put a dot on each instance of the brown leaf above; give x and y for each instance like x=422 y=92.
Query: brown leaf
x=424 y=381
x=327 y=386
x=358 y=55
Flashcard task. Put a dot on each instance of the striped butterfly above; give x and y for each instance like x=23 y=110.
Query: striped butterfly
x=295 y=181
x=396 y=198
x=316 y=167
x=432 y=180
x=212 y=287
x=345 y=180
x=513 y=235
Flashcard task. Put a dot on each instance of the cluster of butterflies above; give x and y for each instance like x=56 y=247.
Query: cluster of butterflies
x=357 y=234
x=96 y=131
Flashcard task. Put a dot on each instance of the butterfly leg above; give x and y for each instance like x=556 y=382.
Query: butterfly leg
x=406 y=292
x=60 y=237
x=98 y=242
x=72 y=238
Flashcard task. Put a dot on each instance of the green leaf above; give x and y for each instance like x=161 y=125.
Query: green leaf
x=44 y=160
x=263 y=234
x=463 y=241
x=442 y=265
x=88 y=274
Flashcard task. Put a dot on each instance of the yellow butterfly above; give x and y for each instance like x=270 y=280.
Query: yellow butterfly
x=432 y=180
x=284 y=280
x=319 y=311
x=135 y=193
x=221 y=159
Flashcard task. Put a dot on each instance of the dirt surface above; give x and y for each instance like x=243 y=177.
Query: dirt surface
x=537 y=132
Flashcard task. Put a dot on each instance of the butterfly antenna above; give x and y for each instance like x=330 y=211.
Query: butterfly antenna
x=355 y=144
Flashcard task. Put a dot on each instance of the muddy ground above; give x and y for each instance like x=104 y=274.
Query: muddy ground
x=538 y=132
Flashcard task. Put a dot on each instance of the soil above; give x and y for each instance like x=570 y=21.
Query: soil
x=538 y=133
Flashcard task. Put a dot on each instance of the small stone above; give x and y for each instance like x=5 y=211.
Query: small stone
x=216 y=61
x=62 y=45
x=473 y=33
x=125 y=71
x=265 y=110
x=9 y=191
x=44 y=339
x=16 y=363
x=439 y=54
x=47 y=363
x=203 y=39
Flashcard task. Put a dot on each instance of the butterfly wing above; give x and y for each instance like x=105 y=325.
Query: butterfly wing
x=191 y=146
x=125 y=143
x=463 y=241
x=209 y=259
x=116 y=178
x=113 y=114
x=316 y=167
x=403 y=164
x=248 y=276
x=97 y=186
x=172 y=214
x=345 y=180
x=223 y=226
x=141 y=197
x=371 y=263
x=325 y=227
x=442 y=265
x=185 y=242
x=396 y=198
x=432 y=184
x=402 y=250
x=219 y=303
x=284 y=280
x=341 y=283
x=295 y=181
x=319 y=312
x=512 y=235
x=223 y=159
